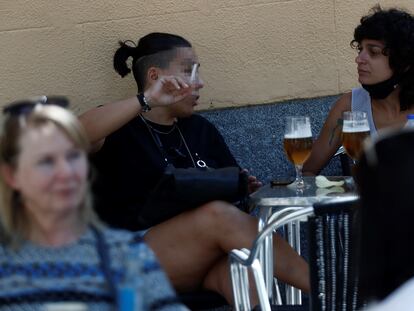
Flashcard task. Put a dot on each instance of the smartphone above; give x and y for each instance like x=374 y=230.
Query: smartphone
x=282 y=181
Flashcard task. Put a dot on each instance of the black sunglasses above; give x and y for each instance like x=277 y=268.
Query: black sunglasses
x=23 y=107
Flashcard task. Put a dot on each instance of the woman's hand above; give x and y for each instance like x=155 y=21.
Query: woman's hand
x=253 y=183
x=167 y=90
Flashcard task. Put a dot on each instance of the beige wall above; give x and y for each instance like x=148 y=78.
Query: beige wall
x=252 y=51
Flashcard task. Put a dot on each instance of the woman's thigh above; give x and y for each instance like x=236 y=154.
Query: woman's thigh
x=189 y=244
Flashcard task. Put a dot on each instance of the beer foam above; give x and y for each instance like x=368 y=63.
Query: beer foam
x=351 y=127
x=301 y=133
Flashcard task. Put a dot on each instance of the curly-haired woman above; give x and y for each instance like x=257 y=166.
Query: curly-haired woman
x=384 y=40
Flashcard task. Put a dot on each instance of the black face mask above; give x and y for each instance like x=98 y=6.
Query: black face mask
x=382 y=89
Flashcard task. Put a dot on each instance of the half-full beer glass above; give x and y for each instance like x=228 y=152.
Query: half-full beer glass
x=355 y=129
x=298 y=144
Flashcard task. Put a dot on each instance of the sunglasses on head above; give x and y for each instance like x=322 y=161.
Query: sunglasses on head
x=23 y=107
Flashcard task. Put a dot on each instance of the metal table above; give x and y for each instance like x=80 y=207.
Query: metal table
x=269 y=199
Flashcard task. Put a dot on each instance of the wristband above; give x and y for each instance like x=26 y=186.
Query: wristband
x=143 y=102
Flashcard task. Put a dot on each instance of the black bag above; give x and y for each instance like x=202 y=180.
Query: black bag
x=182 y=189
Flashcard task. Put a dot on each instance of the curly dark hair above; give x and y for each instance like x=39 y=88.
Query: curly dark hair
x=395 y=27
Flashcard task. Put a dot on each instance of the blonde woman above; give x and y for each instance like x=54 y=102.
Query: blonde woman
x=53 y=248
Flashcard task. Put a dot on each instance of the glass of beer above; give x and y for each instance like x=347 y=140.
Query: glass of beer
x=298 y=144
x=355 y=129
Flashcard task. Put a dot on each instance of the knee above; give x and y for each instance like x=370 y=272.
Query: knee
x=217 y=210
x=217 y=213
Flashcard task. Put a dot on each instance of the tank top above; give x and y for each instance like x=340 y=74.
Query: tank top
x=361 y=101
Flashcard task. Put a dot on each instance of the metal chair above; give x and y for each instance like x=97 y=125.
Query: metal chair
x=334 y=283
x=333 y=278
x=241 y=261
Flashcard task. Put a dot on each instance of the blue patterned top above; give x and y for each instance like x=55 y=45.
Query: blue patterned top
x=33 y=276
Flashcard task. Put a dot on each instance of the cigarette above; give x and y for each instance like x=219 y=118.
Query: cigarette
x=193 y=72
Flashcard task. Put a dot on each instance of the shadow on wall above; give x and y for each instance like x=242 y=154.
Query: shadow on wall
x=255 y=134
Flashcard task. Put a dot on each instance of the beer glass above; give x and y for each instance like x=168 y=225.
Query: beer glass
x=298 y=144
x=355 y=129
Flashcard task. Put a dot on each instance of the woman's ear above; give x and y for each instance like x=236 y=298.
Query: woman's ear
x=152 y=74
x=7 y=173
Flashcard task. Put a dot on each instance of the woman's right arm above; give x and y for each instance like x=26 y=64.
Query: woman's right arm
x=329 y=139
x=101 y=121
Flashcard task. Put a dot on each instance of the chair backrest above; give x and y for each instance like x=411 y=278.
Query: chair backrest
x=332 y=238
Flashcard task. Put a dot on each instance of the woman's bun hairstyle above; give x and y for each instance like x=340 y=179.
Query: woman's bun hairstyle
x=121 y=56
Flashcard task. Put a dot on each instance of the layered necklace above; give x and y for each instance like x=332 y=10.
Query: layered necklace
x=154 y=134
x=157 y=130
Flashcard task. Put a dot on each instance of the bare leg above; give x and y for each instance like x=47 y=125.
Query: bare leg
x=218 y=280
x=193 y=247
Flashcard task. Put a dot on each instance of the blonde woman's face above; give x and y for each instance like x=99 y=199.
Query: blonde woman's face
x=51 y=172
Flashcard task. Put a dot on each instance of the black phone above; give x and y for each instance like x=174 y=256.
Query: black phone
x=282 y=181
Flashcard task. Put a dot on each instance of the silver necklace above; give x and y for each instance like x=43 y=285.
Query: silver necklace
x=200 y=163
x=156 y=130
